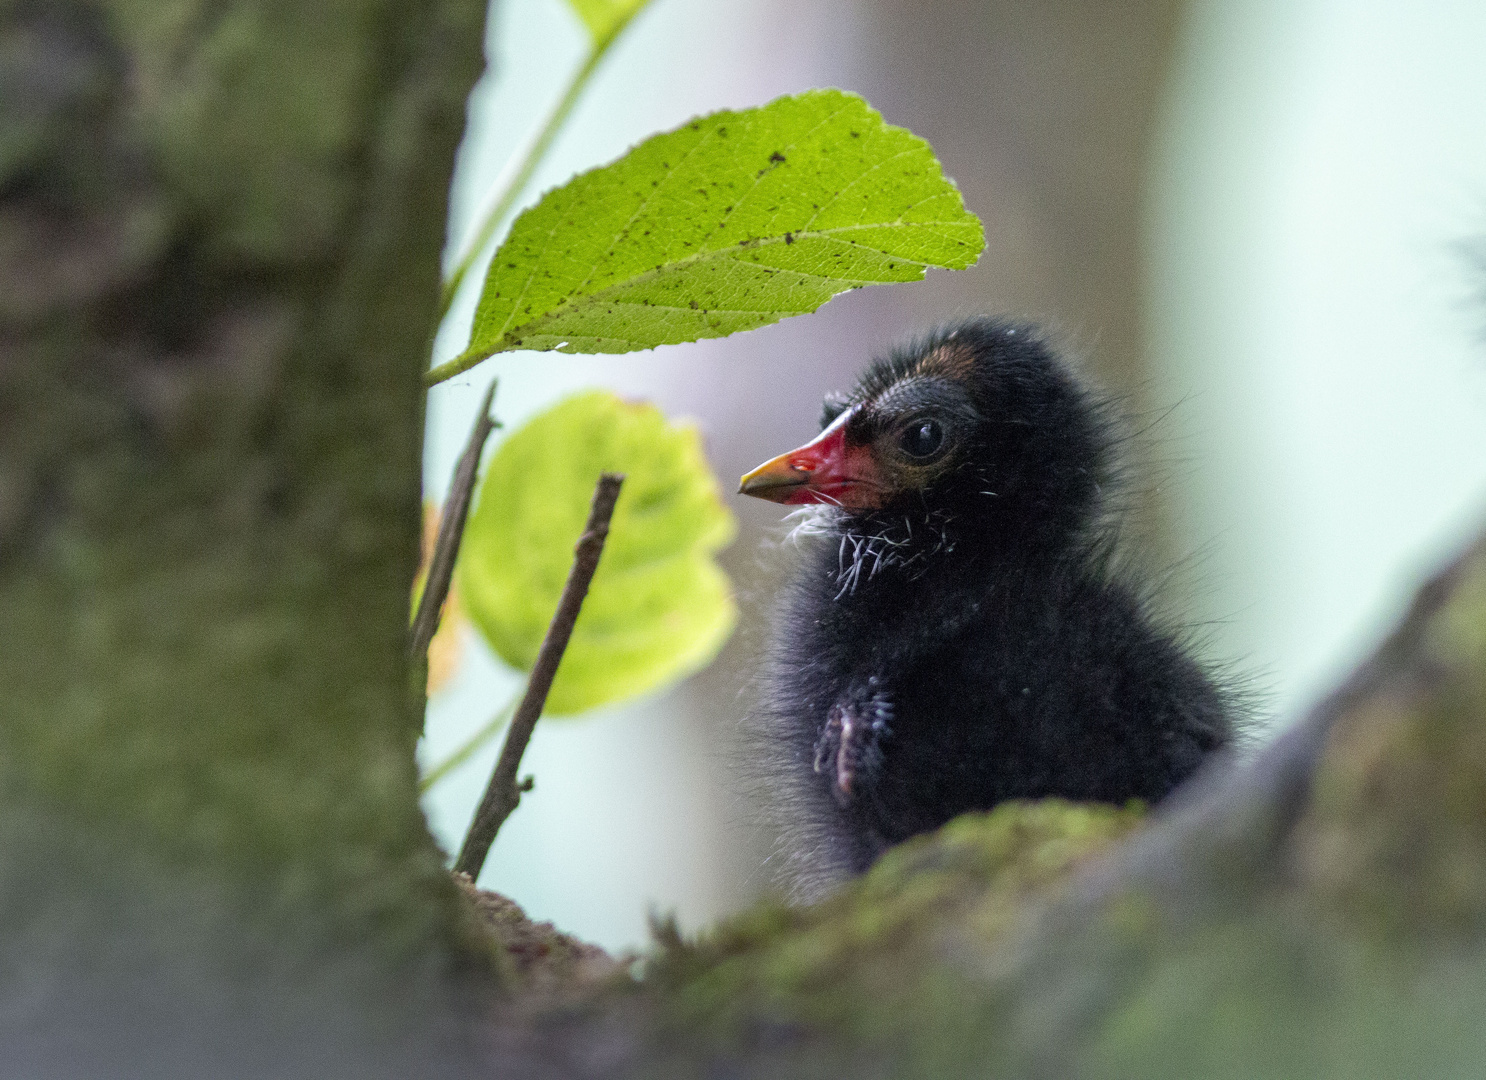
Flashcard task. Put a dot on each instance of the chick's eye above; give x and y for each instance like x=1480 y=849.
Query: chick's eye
x=922 y=439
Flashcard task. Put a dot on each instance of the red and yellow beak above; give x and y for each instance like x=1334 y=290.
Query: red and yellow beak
x=824 y=470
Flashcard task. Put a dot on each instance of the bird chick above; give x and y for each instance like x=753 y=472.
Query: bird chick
x=957 y=635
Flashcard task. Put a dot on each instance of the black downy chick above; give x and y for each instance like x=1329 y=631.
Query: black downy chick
x=957 y=636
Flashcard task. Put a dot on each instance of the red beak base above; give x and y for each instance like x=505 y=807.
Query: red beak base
x=824 y=470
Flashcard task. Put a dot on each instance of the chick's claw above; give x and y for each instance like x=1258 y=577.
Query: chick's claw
x=849 y=748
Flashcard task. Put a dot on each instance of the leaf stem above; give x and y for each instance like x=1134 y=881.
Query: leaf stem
x=467 y=749
x=450 y=368
x=503 y=793
x=451 y=531
x=534 y=155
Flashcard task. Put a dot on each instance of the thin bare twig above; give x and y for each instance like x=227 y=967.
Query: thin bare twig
x=451 y=530
x=503 y=794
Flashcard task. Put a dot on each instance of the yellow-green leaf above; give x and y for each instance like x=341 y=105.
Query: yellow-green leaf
x=605 y=17
x=659 y=607
x=730 y=222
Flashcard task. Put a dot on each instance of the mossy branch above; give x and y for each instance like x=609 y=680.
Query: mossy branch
x=1319 y=910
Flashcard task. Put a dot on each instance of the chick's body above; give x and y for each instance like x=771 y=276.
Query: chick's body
x=957 y=635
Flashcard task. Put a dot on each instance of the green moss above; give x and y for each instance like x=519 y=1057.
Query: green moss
x=1395 y=838
x=861 y=961
x=260 y=116
x=1458 y=635
x=1272 y=994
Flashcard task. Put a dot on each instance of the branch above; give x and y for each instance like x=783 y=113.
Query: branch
x=451 y=531
x=503 y=794
x=1308 y=910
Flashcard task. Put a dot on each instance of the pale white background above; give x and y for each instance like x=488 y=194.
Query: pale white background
x=1320 y=166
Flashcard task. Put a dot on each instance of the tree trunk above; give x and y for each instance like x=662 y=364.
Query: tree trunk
x=220 y=227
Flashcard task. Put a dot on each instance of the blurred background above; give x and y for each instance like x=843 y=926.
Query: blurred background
x=1257 y=222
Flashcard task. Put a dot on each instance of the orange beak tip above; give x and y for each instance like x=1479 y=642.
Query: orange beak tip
x=821 y=471
x=773 y=480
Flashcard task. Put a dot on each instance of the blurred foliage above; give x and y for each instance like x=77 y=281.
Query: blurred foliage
x=605 y=18
x=659 y=608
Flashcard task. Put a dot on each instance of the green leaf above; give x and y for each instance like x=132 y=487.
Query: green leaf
x=659 y=607
x=731 y=222
x=605 y=18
